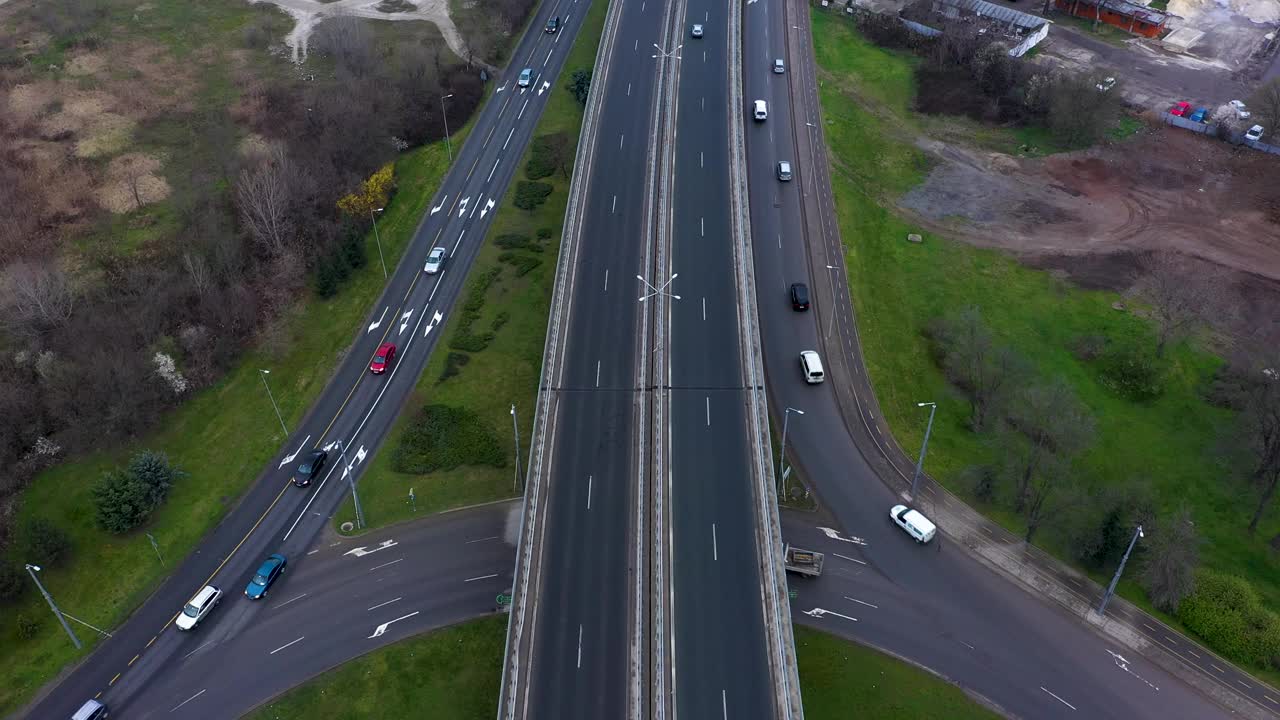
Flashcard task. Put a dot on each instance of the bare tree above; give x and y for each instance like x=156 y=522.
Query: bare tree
x=1265 y=105
x=1080 y=113
x=1170 y=561
x=976 y=362
x=1182 y=298
x=264 y=196
x=1054 y=427
x=37 y=295
x=349 y=42
x=198 y=270
x=1259 y=435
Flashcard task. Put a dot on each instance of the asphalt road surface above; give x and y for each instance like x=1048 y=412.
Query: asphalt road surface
x=721 y=651
x=932 y=604
x=356 y=408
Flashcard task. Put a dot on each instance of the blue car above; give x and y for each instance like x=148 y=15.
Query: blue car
x=272 y=568
x=1200 y=115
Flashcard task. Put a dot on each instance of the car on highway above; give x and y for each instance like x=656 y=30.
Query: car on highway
x=1200 y=115
x=1180 y=109
x=811 y=366
x=913 y=523
x=435 y=260
x=784 y=170
x=778 y=66
x=383 y=358
x=91 y=710
x=799 y=297
x=198 y=608
x=526 y=77
x=553 y=25
x=271 y=568
x=696 y=30
x=310 y=467
x=760 y=110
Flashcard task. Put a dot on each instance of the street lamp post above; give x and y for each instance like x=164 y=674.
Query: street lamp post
x=32 y=570
x=378 y=240
x=782 y=472
x=515 y=431
x=1111 y=589
x=445 y=117
x=832 y=310
x=156 y=547
x=351 y=480
x=263 y=374
x=915 y=480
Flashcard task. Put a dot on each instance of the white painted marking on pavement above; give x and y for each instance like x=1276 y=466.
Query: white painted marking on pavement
x=361 y=552
x=383 y=627
x=404 y=320
x=494 y=170
x=724 y=705
x=579 y=646
x=614 y=208
x=374 y=326
x=193 y=652
x=597 y=373
x=836 y=536
x=435 y=320
x=289 y=458
x=1055 y=697
x=473 y=213
x=704 y=308
x=295 y=642
x=286 y=602
x=440 y=207
x=487 y=207
x=590 y=479
x=483 y=539
x=846 y=557
x=184 y=702
x=708 y=411
x=606 y=280
x=375 y=607
x=522 y=107
x=385 y=564
x=715 y=547
x=482 y=577
x=846 y=597
x=819 y=612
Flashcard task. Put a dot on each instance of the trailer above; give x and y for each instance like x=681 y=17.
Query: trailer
x=802 y=562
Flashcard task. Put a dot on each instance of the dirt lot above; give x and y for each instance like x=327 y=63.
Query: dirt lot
x=1089 y=212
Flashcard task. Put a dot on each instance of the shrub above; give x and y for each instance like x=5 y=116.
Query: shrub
x=541 y=164
x=463 y=337
x=1225 y=611
x=124 y=499
x=516 y=241
x=523 y=264
x=529 y=194
x=545 y=234
x=453 y=364
x=1131 y=373
x=27 y=626
x=12 y=582
x=45 y=543
x=443 y=438
x=580 y=85
x=1088 y=347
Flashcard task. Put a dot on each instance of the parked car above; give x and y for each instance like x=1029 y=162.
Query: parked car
x=1181 y=108
x=919 y=527
x=1255 y=133
x=1242 y=112
x=435 y=260
x=1200 y=115
x=198 y=608
x=760 y=110
x=778 y=66
x=526 y=77
x=310 y=467
x=383 y=358
x=272 y=568
x=696 y=30
x=1106 y=84
x=799 y=297
x=553 y=25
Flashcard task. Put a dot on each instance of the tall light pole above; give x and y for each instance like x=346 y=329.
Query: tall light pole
x=32 y=570
x=782 y=471
x=1111 y=589
x=834 y=272
x=351 y=480
x=915 y=480
x=445 y=116
x=263 y=374
x=378 y=240
x=515 y=431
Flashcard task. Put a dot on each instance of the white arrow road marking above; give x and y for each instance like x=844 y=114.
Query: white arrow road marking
x=487 y=207
x=1123 y=664
x=359 y=458
x=435 y=320
x=289 y=458
x=462 y=206
x=836 y=536
x=374 y=326
x=331 y=446
x=500 y=89
x=440 y=207
x=361 y=552
x=819 y=612
x=383 y=627
x=545 y=85
x=404 y=320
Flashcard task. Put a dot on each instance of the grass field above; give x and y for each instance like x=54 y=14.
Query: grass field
x=840 y=679
x=449 y=674
x=222 y=437
x=506 y=372
x=898 y=287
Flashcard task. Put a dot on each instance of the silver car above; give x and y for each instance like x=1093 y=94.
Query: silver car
x=778 y=66
x=526 y=77
x=696 y=30
x=435 y=260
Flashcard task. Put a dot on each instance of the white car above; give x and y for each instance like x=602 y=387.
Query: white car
x=1241 y=112
x=526 y=77
x=778 y=66
x=919 y=527
x=198 y=608
x=1255 y=133
x=1106 y=84
x=761 y=110
x=435 y=260
x=696 y=30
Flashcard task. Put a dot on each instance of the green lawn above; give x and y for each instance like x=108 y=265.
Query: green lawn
x=223 y=436
x=841 y=679
x=449 y=674
x=506 y=372
x=899 y=287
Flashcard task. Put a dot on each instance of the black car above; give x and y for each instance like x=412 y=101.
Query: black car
x=310 y=467
x=799 y=297
x=553 y=24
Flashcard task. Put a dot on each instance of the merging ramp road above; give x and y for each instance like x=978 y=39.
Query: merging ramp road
x=350 y=418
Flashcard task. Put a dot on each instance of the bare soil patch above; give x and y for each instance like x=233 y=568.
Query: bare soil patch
x=132 y=181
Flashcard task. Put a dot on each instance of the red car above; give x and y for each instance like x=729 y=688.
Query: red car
x=1181 y=109
x=383 y=358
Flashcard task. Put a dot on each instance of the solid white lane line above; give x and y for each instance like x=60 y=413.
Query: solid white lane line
x=628 y=89
x=597 y=373
x=715 y=547
x=286 y=602
x=489 y=136
x=522 y=107
x=846 y=557
x=708 y=411
x=614 y=208
x=636 y=46
x=1055 y=697
x=724 y=705
x=606 y=281
x=1245 y=685
x=1193 y=653
x=193 y=652
x=393 y=562
x=509 y=134
x=482 y=577
x=702 y=226
x=701 y=162
x=704 y=309
x=184 y=702
x=544 y=62
x=483 y=539
x=579 y=646
x=476 y=207
x=313 y=552
x=491 y=172
x=846 y=597
x=966 y=645
x=295 y=642
x=1215 y=667
x=589 y=483
x=620 y=137
x=375 y=607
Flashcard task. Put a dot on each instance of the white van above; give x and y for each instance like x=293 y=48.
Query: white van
x=811 y=366
x=761 y=110
x=916 y=525
x=91 y=710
